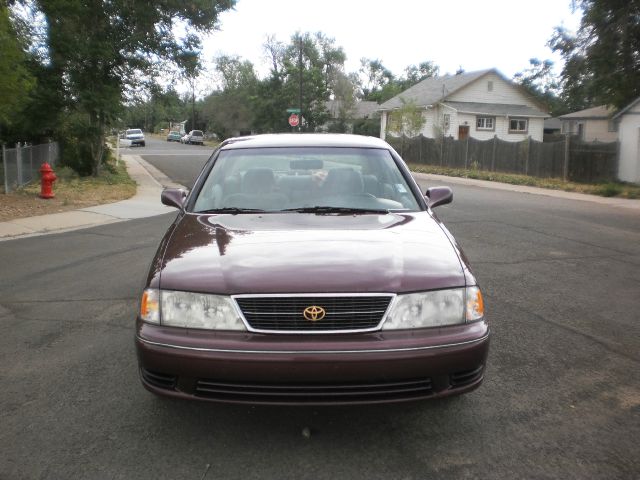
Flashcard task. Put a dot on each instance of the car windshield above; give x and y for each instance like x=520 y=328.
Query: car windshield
x=321 y=179
x=134 y=131
x=196 y=133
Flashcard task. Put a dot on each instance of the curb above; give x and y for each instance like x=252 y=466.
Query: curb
x=629 y=204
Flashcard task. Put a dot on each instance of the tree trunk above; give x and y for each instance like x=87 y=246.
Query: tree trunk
x=97 y=141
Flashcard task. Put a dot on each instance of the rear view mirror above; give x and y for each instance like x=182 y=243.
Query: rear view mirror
x=173 y=197
x=438 y=196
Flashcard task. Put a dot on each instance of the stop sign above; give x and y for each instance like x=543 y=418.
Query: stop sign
x=294 y=120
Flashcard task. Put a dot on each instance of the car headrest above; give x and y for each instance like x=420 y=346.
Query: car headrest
x=258 y=180
x=343 y=181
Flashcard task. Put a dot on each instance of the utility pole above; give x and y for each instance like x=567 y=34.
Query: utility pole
x=193 y=105
x=300 y=92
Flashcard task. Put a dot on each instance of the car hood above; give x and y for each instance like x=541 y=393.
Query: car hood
x=299 y=253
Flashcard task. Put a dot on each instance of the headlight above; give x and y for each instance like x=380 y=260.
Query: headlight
x=192 y=310
x=435 y=309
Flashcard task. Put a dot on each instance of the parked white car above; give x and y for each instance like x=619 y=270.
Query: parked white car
x=193 y=137
x=135 y=136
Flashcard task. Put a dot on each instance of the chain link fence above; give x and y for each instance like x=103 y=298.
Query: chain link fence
x=21 y=165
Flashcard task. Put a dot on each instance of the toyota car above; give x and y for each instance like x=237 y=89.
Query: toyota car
x=309 y=269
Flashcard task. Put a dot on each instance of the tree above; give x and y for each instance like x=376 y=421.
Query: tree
x=344 y=94
x=321 y=59
x=16 y=81
x=99 y=50
x=321 y=66
x=541 y=83
x=374 y=78
x=407 y=120
x=379 y=84
x=415 y=74
x=231 y=109
x=602 y=65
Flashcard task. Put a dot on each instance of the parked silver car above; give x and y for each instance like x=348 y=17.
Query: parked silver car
x=193 y=137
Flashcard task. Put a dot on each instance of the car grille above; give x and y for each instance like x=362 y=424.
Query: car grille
x=287 y=313
x=313 y=393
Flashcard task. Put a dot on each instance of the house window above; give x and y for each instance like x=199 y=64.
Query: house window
x=490 y=86
x=612 y=126
x=518 y=125
x=446 y=122
x=485 y=123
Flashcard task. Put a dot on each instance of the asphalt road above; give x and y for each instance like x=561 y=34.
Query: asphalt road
x=561 y=397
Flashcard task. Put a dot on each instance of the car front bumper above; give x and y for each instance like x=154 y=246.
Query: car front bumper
x=376 y=367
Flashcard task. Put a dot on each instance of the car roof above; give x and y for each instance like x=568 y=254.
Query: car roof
x=304 y=140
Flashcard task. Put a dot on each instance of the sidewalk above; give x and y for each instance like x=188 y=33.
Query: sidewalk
x=145 y=203
x=610 y=201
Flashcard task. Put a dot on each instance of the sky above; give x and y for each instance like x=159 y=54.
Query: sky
x=470 y=34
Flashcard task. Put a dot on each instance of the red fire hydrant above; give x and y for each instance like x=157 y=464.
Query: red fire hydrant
x=47 y=177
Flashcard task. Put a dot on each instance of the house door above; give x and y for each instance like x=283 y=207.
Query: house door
x=463 y=132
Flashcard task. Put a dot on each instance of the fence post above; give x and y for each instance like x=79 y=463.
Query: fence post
x=567 y=146
x=31 y=163
x=466 y=153
x=4 y=166
x=493 y=153
x=19 y=163
x=526 y=160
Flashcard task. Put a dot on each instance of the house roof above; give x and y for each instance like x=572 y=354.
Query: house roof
x=625 y=109
x=497 y=109
x=431 y=90
x=362 y=109
x=601 y=112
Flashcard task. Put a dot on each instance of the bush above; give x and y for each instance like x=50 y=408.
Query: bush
x=75 y=137
x=609 y=190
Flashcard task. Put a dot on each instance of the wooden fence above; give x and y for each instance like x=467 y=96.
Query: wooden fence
x=570 y=159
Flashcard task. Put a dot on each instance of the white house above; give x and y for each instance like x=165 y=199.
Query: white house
x=627 y=122
x=480 y=105
x=592 y=124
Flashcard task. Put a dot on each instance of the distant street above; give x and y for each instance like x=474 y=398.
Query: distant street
x=561 y=397
x=181 y=163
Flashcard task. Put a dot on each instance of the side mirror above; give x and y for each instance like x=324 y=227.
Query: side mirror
x=173 y=197
x=439 y=196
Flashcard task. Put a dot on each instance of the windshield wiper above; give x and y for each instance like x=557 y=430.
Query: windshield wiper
x=233 y=210
x=327 y=210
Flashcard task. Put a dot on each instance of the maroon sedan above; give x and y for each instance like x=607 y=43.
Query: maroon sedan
x=309 y=269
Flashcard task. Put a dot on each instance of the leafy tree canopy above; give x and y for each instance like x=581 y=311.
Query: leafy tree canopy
x=98 y=50
x=602 y=64
x=543 y=84
x=16 y=81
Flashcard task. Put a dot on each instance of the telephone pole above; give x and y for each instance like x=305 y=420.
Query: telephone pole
x=300 y=91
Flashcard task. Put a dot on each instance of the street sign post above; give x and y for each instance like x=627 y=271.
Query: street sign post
x=294 y=120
